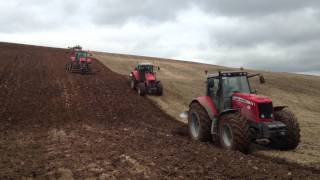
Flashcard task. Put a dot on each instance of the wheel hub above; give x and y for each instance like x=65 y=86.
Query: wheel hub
x=195 y=125
x=227 y=136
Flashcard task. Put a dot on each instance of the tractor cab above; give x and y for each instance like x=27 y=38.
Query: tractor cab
x=221 y=87
x=82 y=56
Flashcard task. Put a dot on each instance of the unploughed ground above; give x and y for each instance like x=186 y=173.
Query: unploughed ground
x=60 y=125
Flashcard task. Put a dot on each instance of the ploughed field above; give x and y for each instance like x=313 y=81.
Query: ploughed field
x=56 y=124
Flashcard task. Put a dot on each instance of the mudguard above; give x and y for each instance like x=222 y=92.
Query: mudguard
x=279 y=108
x=227 y=111
x=207 y=103
x=135 y=75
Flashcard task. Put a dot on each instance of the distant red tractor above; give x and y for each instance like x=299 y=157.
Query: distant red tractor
x=234 y=116
x=79 y=61
x=143 y=79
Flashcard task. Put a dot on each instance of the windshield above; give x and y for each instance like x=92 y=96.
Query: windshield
x=83 y=54
x=235 y=84
x=146 y=68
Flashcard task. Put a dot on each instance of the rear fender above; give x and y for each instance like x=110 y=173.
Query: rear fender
x=207 y=103
x=279 y=108
x=228 y=111
x=135 y=75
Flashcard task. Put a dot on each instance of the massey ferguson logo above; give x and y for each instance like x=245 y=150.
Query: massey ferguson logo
x=239 y=99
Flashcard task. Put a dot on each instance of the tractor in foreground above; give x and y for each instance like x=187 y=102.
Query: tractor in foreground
x=79 y=61
x=143 y=79
x=232 y=115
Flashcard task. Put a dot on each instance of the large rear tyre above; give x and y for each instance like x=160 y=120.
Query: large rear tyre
x=141 y=89
x=199 y=123
x=159 y=89
x=132 y=84
x=292 y=138
x=234 y=133
x=69 y=67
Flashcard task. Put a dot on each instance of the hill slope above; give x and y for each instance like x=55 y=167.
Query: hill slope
x=60 y=125
x=185 y=80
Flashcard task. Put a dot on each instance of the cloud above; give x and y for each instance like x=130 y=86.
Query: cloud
x=281 y=35
x=122 y=11
x=254 y=8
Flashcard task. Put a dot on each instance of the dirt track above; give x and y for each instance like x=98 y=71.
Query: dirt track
x=55 y=124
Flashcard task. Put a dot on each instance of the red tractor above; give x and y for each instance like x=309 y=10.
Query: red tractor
x=234 y=116
x=143 y=78
x=79 y=61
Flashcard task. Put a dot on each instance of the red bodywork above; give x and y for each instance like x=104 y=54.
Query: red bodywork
x=150 y=77
x=247 y=103
x=208 y=104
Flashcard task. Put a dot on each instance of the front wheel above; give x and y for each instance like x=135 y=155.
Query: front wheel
x=292 y=138
x=234 y=133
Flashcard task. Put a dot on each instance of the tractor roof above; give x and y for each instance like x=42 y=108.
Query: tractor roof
x=146 y=63
x=227 y=74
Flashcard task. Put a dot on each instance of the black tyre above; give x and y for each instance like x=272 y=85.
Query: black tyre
x=141 y=89
x=83 y=68
x=198 y=123
x=234 y=133
x=132 y=83
x=159 y=89
x=292 y=138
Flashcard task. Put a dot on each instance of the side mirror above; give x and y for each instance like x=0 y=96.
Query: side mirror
x=206 y=72
x=262 y=80
x=158 y=68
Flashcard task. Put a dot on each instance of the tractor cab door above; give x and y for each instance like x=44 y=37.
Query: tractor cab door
x=227 y=92
x=213 y=91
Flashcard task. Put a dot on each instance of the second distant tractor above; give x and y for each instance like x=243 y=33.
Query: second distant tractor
x=144 y=80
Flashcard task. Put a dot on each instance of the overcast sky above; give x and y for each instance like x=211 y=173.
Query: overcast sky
x=279 y=35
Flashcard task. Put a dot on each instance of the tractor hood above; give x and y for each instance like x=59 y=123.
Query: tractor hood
x=250 y=98
x=150 y=76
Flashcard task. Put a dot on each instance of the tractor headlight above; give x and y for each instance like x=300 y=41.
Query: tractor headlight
x=262 y=116
x=271 y=115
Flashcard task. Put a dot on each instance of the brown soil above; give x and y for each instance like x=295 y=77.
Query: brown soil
x=60 y=125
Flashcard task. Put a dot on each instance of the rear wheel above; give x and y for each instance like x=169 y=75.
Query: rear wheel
x=198 y=123
x=141 y=89
x=159 y=89
x=234 y=132
x=69 y=67
x=292 y=138
x=132 y=84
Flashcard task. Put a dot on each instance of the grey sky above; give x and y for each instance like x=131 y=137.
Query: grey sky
x=280 y=35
